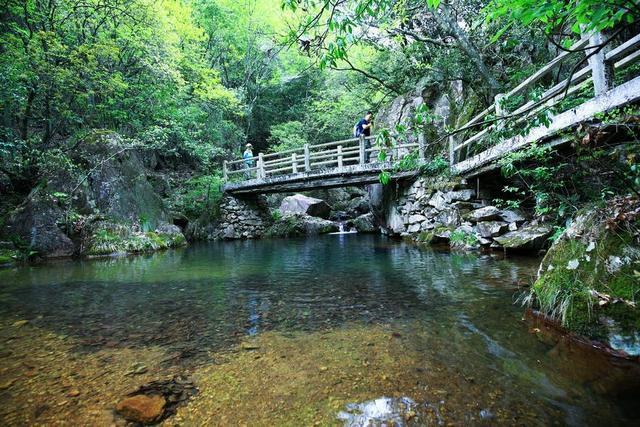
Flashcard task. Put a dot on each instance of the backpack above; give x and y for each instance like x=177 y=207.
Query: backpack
x=356 y=131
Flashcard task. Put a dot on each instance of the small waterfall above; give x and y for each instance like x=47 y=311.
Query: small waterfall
x=341 y=229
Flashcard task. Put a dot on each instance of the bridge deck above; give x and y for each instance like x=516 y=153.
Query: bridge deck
x=315 y=179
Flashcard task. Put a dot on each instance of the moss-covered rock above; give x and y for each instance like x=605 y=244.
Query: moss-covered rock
x=440 y=234
x=589 y=279
x=110 y=238
x=528 y=238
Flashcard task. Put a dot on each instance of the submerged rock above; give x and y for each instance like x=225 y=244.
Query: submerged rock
x=142 y=408
x=301 y=204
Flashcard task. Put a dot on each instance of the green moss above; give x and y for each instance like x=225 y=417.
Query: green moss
x=570 y=274
x=287 y=226
x=8 y=257
x=425 y=237
x=431 y=236
x=462 y=238
x=105 y=242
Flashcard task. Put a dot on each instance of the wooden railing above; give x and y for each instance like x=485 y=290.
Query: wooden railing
x=468 y=146
x=597 y=75
x=335 y=154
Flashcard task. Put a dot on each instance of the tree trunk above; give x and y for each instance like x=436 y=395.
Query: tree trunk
x=447 y=22
x=24 y=125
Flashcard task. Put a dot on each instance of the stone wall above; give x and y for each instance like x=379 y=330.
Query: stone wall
x=243 y=218
x=441 y=211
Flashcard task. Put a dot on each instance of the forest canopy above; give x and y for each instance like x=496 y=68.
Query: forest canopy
x=200 y=78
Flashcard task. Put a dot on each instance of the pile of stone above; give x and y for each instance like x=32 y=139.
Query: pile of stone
x=437 y=213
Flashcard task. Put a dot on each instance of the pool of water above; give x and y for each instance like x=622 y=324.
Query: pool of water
x=339 y=330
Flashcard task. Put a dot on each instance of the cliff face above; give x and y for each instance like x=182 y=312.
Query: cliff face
x=450 y=106
x=101 y=202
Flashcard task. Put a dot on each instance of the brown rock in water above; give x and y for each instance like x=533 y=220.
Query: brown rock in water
x=141 y=408
x=74 y=393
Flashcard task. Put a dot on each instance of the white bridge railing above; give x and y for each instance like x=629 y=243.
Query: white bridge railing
x=336 y=154
x=468 y=148
x=597 y=78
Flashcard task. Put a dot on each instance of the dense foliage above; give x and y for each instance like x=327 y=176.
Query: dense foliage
x=193 y=79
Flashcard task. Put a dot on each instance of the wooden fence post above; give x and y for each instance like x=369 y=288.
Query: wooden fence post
x=421 y=145
x=307 y=162
x=260 y=174
x=294 y=163
x=225 y=174
x=601 y=71
x=361 y=147
x=339 y=156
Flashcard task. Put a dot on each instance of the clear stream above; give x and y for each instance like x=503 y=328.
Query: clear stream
x=341 y=329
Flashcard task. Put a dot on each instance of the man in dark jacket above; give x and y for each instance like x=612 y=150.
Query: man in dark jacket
x=364 y=128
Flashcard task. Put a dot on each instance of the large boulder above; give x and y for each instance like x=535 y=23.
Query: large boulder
x=36 y=225
x=297 y=224
x=301 y=204
x=588 y=280
x=357 y=206
x=107 y=183
x=365 y=223
x=118 y=185
x=528 y=238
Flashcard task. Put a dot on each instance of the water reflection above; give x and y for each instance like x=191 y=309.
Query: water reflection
x=456 y=309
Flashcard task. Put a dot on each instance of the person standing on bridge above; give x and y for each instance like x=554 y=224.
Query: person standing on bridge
x=248 y=160
x=363 y=127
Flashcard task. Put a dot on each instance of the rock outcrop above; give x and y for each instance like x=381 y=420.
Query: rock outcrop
x=36 y=223
x=74 y=209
